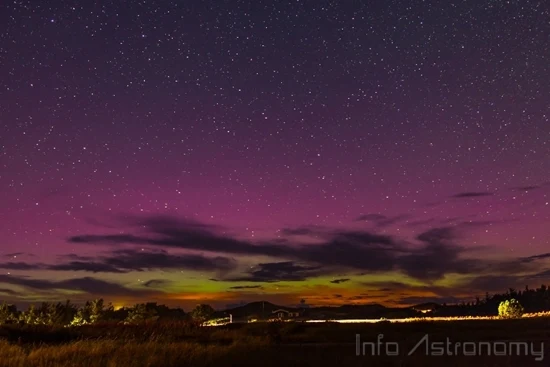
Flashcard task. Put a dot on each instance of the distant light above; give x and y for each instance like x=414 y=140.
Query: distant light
x=412 y=319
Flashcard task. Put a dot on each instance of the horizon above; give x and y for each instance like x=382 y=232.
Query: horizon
x=227 y=307
x=220 y=153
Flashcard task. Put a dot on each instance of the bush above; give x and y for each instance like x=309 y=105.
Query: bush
x=202 y=313
x=510 y=309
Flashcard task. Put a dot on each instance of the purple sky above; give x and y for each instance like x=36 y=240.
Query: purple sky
x=407 y=141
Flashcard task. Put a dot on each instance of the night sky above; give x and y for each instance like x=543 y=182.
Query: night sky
x=231 y=151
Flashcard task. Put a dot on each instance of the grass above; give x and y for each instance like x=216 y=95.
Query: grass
x=301 y=344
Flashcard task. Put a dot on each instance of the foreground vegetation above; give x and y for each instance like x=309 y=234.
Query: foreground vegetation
x=97 y=335
x=511 y=304
x=269 y=344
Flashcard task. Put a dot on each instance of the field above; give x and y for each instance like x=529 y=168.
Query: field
x=271 y=344
x=423 y=319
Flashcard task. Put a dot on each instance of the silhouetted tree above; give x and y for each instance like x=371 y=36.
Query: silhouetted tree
x=92 y=312
x=30 y=316
x=531 y=299
x=142 y=312
x=8 y=313
x=202 y=313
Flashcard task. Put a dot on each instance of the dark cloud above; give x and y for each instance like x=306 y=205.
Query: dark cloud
x=93 y=267
x=169 y=224
x=439 y=256
x=472 y=194
x=21 y=266
x=362 y=297
x=536 y=257
x=512 y=266
x=311 y=230
x=495 y=283
x=9 y=292
x=76 y=257
x=281 y=241
x=137 y=260
x=541 y=275
x=338 y=281
x=87 y=285
x=157 y=283
x=475 y=286
x=246 y=287
x=15 y=254
x=396 y=287
x=302 y=231
x=344 y=249
x=403 y=293
x=184 y=239
x=437 y=252
x=70 y=266
x=280 y=271
x=128 y=260
x=437 y=236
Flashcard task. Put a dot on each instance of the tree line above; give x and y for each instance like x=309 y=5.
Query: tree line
x=532 y=300
x=97 y=311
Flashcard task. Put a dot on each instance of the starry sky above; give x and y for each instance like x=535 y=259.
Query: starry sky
x=239 y=150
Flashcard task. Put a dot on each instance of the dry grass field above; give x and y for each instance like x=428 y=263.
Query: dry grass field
x=267 y=344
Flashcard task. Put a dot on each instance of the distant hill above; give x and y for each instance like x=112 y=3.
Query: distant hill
x=428 y=306
x=261 y=309
x=371 y=311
